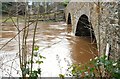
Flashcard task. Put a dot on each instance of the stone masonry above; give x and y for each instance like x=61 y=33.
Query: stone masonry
x=105 y=21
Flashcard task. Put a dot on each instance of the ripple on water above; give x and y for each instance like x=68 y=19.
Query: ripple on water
x=60 y=47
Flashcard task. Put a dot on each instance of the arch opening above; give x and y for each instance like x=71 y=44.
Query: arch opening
x=84 y=28
x=69 y=19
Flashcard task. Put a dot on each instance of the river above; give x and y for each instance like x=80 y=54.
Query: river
x=56 y=42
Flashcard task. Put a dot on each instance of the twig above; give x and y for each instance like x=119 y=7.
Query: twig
x=34 y=38
x=16 y=35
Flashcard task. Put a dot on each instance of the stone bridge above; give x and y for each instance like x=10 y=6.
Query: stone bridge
x=99 y=20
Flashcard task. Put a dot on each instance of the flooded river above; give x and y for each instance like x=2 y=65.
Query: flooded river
x=56 y=42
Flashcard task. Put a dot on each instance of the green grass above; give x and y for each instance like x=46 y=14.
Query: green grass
x=21 y=18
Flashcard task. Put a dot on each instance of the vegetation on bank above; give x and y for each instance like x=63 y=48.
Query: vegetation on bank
x=100 y=67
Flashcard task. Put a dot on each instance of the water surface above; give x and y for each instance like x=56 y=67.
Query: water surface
x=56 y=42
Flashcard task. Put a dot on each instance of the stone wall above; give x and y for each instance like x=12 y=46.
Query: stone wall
x=104 y=18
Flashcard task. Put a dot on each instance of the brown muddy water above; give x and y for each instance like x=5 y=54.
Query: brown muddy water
x=56 y=42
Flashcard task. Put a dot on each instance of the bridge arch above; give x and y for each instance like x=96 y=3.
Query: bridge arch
x=69 y=19
x=84 y=27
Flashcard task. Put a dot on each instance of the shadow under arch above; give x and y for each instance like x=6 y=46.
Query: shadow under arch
x=84 y=28
x=69 y=19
